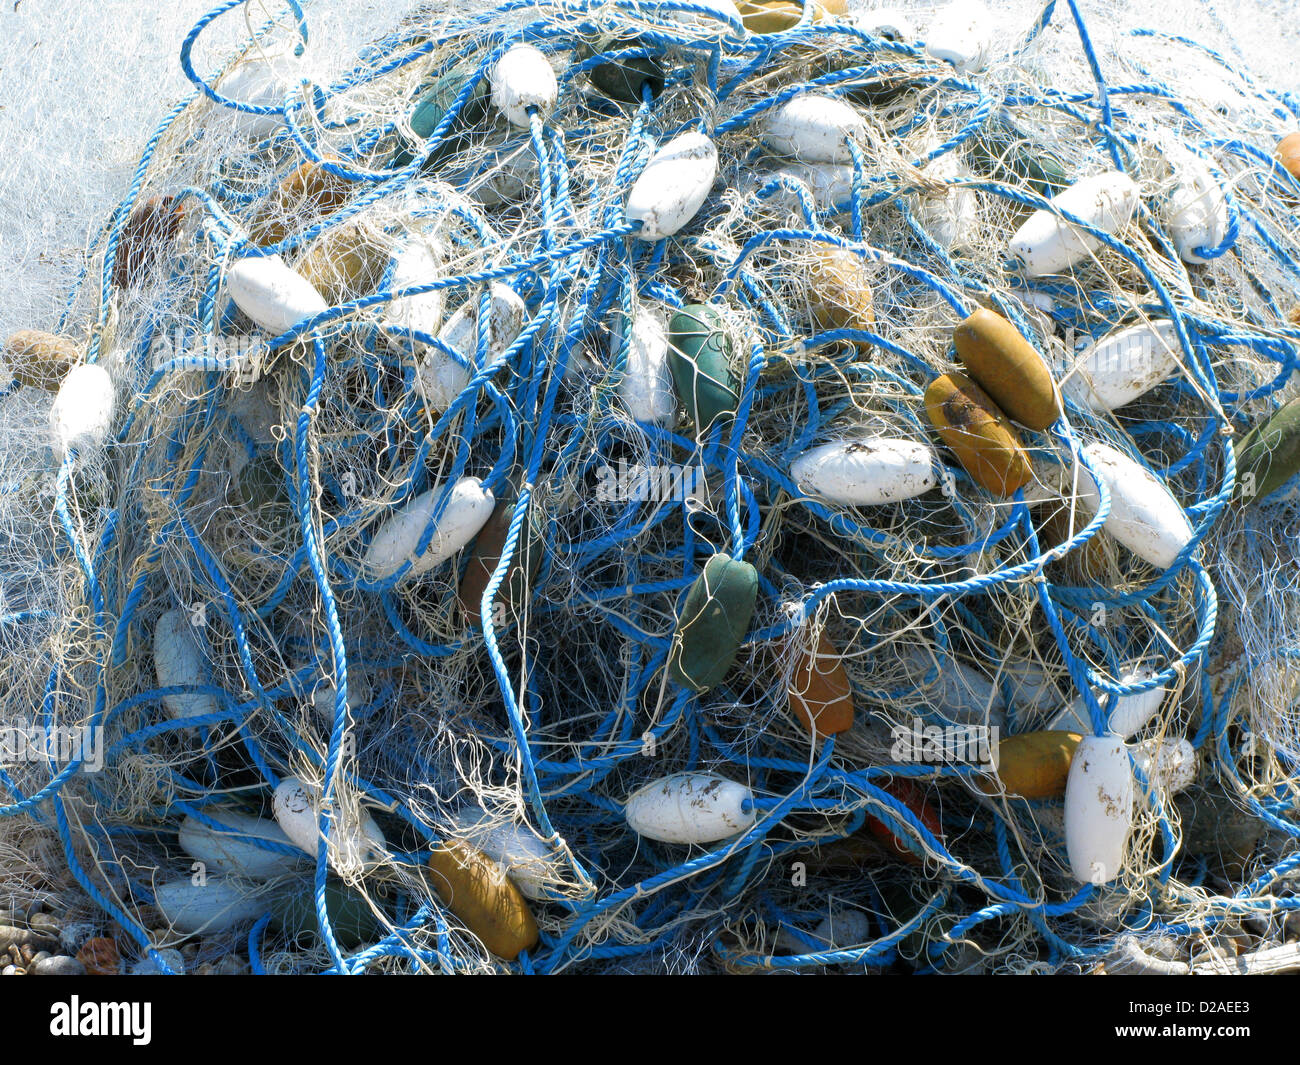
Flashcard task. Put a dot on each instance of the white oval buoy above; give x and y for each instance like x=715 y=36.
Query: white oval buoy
x=1047 y=244
x=724 y=21
x=271 y=294
x=526 y=859
x=950 y=217
x=1144 y=515
x=1126 y=715
x=234 y=851
x=323 y=694
x=1131 y=713
x=354 y=844
x=813 y=129
x=958 y=693
x=523 y=78
x=962 y=34
x=467 y=511
x=180 y=658
x=888 y=23
x=647 y=382
x=1169 y=763
x=441 y=378
x=843 y=928
x=673 y=186
x=214 y=905
x=261 y=81
x=866 y=471
x=505 y=173
x=83 y=410
x=1030 y=686
x=690 y=808
x=1098 y=808
x=830 y=184
x=1196 y=211
x=1123 y=366
x=418 y=263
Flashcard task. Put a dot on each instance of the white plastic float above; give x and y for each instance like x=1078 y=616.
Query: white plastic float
x=418 y=263
x=260 y=81
x=647 y=383
x=1127 y=714
x=272 y=294
x=82 y=411
x=1196 y=212
x=523 y=78
x=866 y=471
x=354 y=844
x=212 y=905
x=1123 y=366
x=517 y=849
x=814 y=129
x=1047 y=244
x=234 y=851
x=690 y=808
x=180 y=658
x=442 y=378
x=1098 y=808
x=467 y=511
x=962 y=34
x=1144 y=515
x=673 y=186
x=1169 y=764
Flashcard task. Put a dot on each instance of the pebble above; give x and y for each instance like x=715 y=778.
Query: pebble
x=9 y=970
x=231 y=965
x=11 y=937
x=43 y=922
x=58 y=965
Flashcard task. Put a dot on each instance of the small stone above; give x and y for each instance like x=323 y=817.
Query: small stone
x=205 y=969
x=58 y=965
x=9 y=970
x=11 y=937
x=231 y=965
x=43 y=922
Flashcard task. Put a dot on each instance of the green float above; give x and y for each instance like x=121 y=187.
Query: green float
x=431 y=108
x=1006 y=153
x=713 y=622
x=1269 y=456
x=350 y=915
x=699 y=355
x=622 y=79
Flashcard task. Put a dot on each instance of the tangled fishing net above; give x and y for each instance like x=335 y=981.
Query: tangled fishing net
x=403 y=530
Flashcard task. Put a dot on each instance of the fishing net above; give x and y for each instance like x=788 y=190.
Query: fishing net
x=413 y=562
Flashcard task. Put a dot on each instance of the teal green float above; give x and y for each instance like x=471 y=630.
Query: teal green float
x=713 y=622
